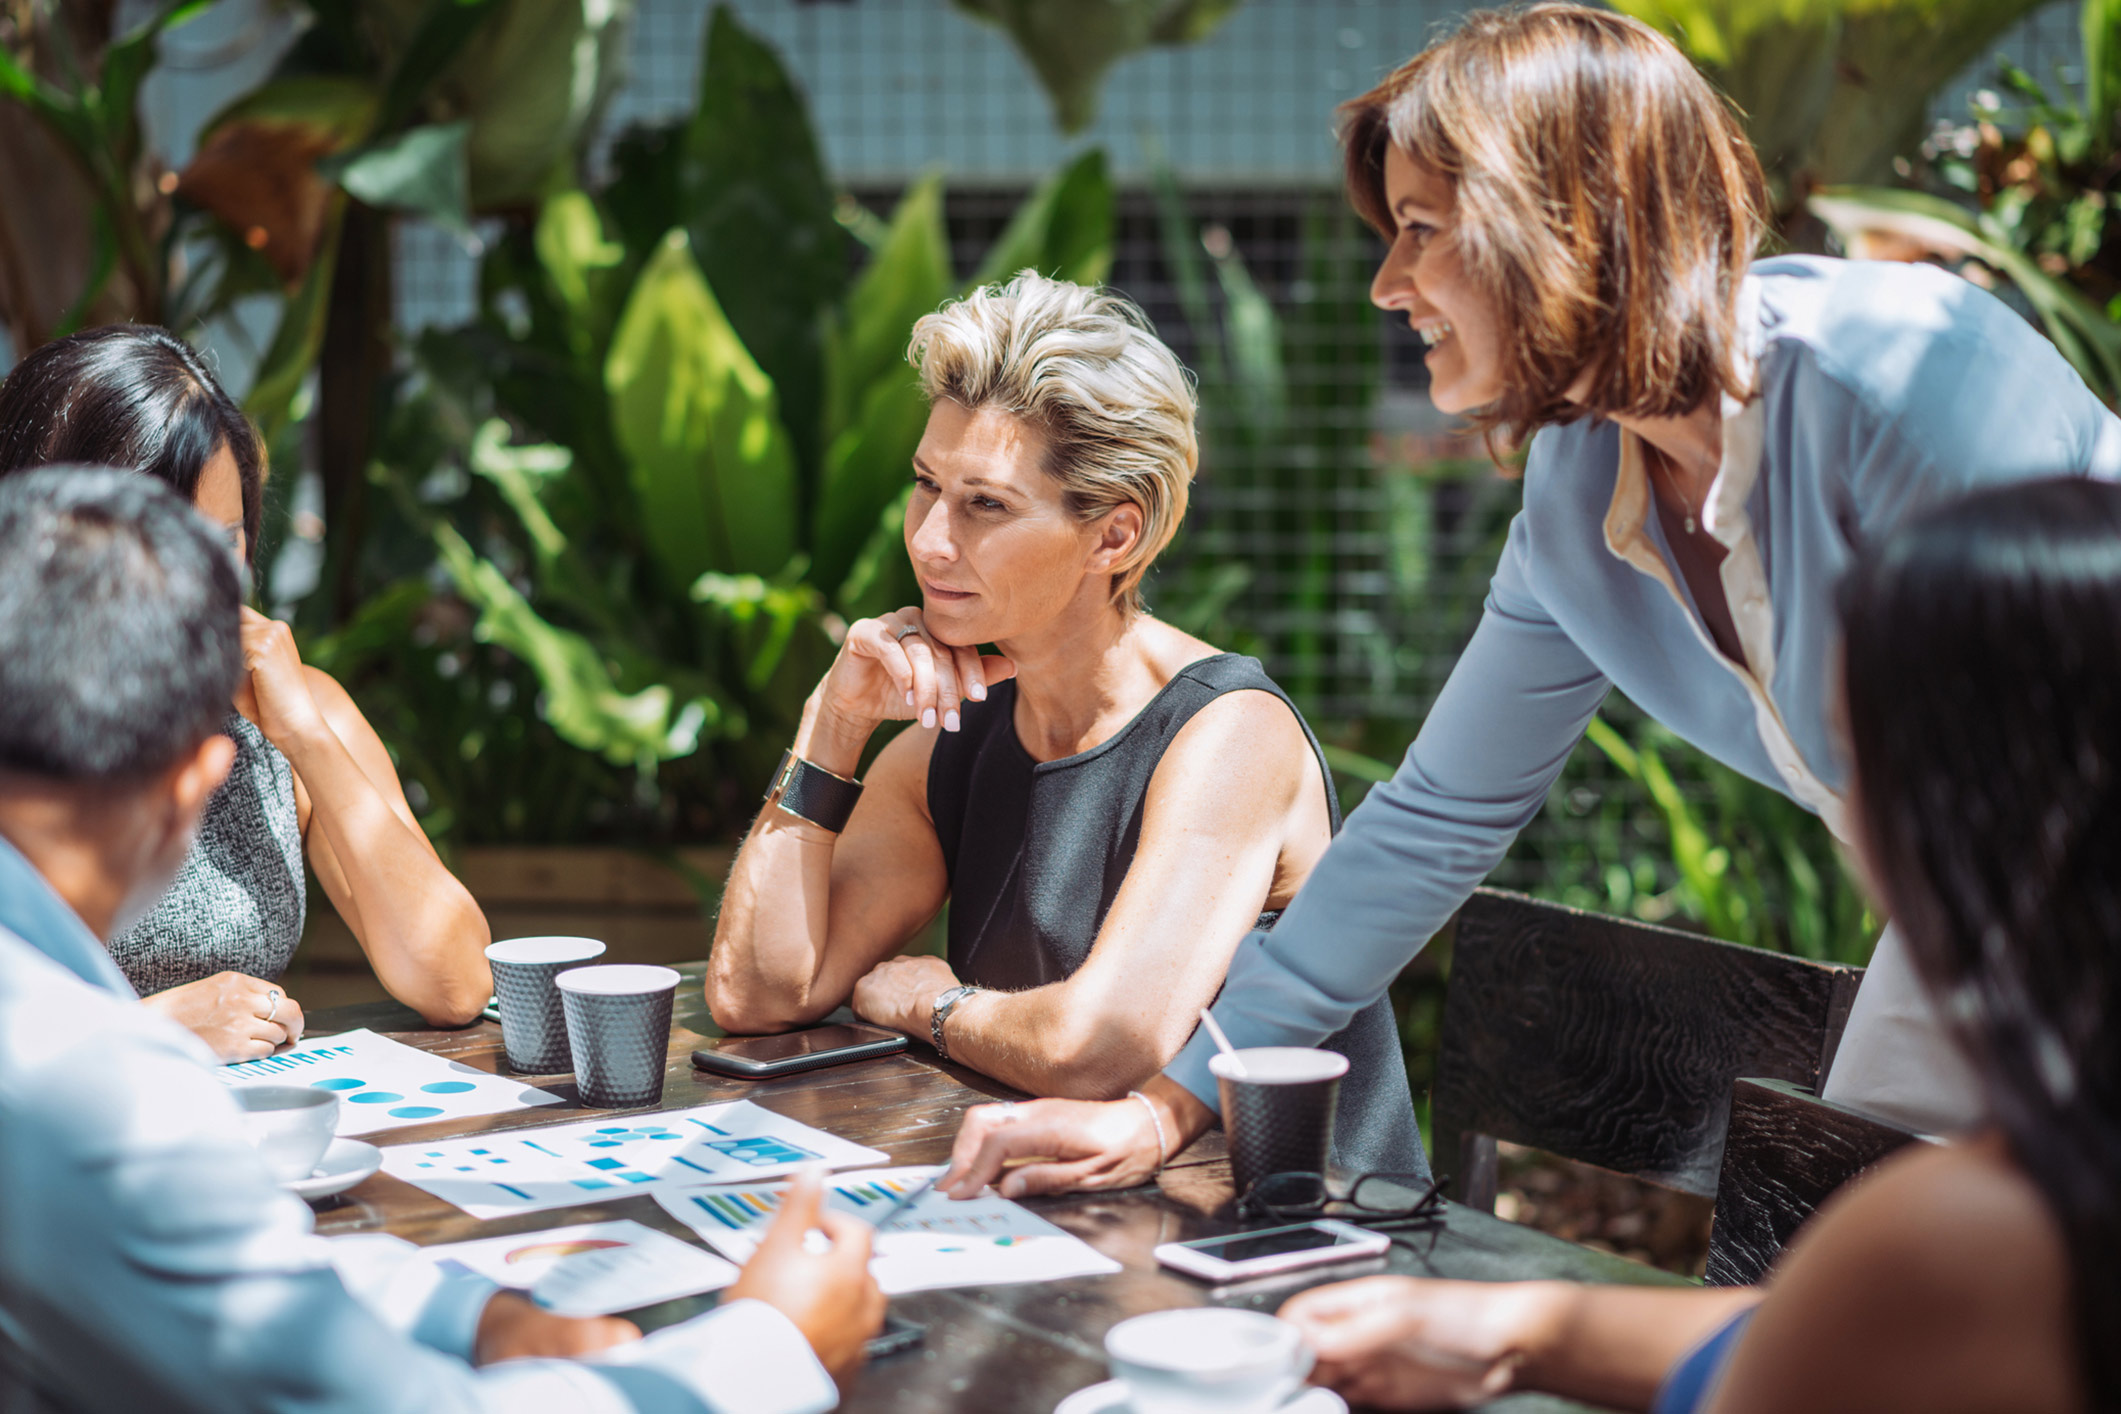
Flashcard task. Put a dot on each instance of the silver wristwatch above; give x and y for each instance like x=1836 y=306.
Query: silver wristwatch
x=945 y=1003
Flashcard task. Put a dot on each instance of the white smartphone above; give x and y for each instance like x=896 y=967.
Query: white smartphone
x=1244 y=1255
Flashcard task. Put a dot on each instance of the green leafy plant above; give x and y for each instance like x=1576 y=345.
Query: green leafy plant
x=647 y=518
x=1831 y=91
x=2020 y=194
x=1070 y=44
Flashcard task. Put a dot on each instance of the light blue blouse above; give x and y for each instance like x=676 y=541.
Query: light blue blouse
x=1883 y=389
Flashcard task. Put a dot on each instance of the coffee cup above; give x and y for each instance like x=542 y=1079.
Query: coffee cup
x=618 y=1027
x=291 y=1125
x=1207 y=1360
x=1278 y=1106
x=533 y=1024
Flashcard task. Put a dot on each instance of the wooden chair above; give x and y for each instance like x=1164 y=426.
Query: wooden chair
x=1787 y=1151
x=1614 y=1042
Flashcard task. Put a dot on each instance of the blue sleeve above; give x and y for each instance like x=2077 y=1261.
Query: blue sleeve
x=147 y=1262
x=1504 y=725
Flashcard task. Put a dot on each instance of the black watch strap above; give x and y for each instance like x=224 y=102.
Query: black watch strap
x=813 y=793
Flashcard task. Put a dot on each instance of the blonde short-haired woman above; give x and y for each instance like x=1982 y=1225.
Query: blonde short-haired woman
x=1109 y=805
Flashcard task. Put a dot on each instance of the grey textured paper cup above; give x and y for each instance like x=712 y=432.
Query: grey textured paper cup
x=533 y=1026
x=1278 y=1114
x=618 y=1025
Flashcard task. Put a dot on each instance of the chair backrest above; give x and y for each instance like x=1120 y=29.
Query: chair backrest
x=1614 y=1042
x=1787 y=1151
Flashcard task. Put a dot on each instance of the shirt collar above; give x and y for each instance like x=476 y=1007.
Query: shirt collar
x=33 y=911
x=1723 y=513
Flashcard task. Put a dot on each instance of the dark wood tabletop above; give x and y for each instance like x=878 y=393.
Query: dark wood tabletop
x=1006 y=1348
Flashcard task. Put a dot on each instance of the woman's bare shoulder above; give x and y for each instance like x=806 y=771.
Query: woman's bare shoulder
x=1940 y=1282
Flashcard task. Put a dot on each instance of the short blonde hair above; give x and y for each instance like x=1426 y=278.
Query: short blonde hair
x=1085 y=367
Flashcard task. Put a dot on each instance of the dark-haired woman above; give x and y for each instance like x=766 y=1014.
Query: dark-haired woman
x=310 y=777
x=1982 y=665
x=1574 y=216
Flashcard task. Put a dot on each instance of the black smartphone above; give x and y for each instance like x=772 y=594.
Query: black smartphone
x=763 y=1057
x=896 y=1335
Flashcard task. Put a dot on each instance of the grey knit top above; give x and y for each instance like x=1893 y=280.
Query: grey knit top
x=237 y=904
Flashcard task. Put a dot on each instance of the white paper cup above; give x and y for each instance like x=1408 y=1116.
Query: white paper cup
x=291 y=1125
x=1207 y=1360
x=533 y=1025
x=618 y=1027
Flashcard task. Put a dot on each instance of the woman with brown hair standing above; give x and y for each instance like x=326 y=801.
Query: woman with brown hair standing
x=1574 y=217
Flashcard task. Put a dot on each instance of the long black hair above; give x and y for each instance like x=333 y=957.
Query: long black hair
x=128 y=395
x=1983 y=672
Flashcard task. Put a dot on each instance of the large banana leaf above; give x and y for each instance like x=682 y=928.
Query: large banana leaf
x=2080 y=329
x=700 y=425
x=1831 y=90
x=759 y=208
x=1070 y=44
x=1064 y=229
x=877 y=409
x=529 y=75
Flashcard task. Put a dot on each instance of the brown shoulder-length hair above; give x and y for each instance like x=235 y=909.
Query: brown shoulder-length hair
x=1607 y=202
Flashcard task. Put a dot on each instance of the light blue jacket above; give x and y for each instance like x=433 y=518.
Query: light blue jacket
x=1883 y=389
x=148 y=1263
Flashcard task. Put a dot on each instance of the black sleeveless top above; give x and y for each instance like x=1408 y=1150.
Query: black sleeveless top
x=1036 y=853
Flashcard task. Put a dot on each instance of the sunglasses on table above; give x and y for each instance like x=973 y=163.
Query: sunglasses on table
x=1374 y=1200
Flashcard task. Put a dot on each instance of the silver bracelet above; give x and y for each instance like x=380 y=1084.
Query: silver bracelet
x=1155 y=1123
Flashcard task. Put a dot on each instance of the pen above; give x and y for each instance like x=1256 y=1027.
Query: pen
x=908 y=1200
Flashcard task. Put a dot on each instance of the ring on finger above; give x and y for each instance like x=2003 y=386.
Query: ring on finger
x=272 y=999
x=904 y=631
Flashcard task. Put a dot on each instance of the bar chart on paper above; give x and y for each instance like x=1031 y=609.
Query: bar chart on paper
x=383 y=1084
x=563 y=1165
x=937 y=1242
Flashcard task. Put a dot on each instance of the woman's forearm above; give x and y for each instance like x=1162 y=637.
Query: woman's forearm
x=770 y=937
x=421 y=929
x=1614 y=1345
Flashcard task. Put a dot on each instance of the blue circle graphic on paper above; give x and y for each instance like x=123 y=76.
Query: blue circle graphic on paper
x=448 y=1087
x=374 y=1097
x=340 y=1084
x=414 y=1112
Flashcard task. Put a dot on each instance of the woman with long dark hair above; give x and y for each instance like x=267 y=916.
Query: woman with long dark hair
x=1982 y=666
x=311 y=777
x=1574 y=217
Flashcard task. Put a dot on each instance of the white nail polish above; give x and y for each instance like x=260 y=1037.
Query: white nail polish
x=979 y=692
x=928 y=717
x=949 y=721
x=909 y=697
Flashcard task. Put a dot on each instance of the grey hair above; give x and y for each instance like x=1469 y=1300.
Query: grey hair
x=1085 y=367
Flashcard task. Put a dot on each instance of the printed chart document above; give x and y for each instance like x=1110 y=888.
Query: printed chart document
x=938 y=1242
x=561 y=1165
x=384 y=1085
x=591 y=1269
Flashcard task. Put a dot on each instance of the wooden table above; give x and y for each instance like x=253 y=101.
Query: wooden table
x=996 y=1349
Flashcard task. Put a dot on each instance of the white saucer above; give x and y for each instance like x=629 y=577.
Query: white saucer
x=1111 y=1398
x=346 y=1163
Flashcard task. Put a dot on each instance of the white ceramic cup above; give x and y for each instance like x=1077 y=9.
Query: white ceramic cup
x=292 y=1126
x=1207 y=1360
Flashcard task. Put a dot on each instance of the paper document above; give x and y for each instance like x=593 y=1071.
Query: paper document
x=937 y=1242
x=591 y=1269
x=595 y=1160
x=382 y=1084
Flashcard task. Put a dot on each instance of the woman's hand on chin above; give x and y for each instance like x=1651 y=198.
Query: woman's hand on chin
x=900 y=993
x=273 y=693
x=890 y=669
